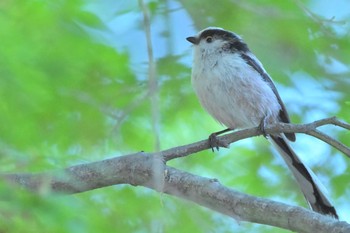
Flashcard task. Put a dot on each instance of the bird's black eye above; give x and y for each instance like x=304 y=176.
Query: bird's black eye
x=209 y=39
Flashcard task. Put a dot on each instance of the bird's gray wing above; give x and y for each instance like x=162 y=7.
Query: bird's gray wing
x=283 y=114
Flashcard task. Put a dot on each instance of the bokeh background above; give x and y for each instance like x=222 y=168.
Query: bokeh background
x=81 y=81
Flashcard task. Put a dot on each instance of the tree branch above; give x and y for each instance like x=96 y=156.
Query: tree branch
x=149 y=170
x=310 y=129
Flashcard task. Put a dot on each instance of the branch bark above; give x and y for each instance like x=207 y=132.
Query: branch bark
x=149 y=170
x=310 y=129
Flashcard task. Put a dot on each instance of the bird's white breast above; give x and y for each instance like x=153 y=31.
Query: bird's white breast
x=232 y=91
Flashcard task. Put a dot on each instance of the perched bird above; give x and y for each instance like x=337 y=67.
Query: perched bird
x=233 y=86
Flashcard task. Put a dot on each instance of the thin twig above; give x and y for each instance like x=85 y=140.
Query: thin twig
x=341 y=124
x=152 y=81
x=329 y=140
x=329 y=121
x=310 y=129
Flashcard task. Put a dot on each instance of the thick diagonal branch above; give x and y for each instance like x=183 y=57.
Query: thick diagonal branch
x=148 y=170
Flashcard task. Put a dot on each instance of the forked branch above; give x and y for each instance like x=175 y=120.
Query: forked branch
x=310 y=129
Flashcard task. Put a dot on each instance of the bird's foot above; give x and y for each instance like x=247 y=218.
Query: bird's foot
x=214 y=142
x=262 y=126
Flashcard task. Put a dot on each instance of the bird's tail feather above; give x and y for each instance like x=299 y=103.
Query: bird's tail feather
x=307 y=180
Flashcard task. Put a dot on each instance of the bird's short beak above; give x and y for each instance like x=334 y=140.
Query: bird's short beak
x=192 y=39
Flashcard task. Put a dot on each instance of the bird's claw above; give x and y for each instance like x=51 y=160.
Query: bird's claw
x=214 y=142
x=262 y=127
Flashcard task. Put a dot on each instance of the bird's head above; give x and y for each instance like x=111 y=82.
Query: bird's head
x=216 y=40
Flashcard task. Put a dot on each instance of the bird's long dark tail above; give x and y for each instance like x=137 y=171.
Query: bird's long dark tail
x=307 y=180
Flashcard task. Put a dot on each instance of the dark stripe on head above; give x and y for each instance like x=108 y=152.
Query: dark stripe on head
x=235 y=43
x=239 y=46
x=219 y=33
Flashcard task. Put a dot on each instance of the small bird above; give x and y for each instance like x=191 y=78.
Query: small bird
x=233 y=86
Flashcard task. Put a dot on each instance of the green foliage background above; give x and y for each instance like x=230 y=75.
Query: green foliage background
x=69 y=95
